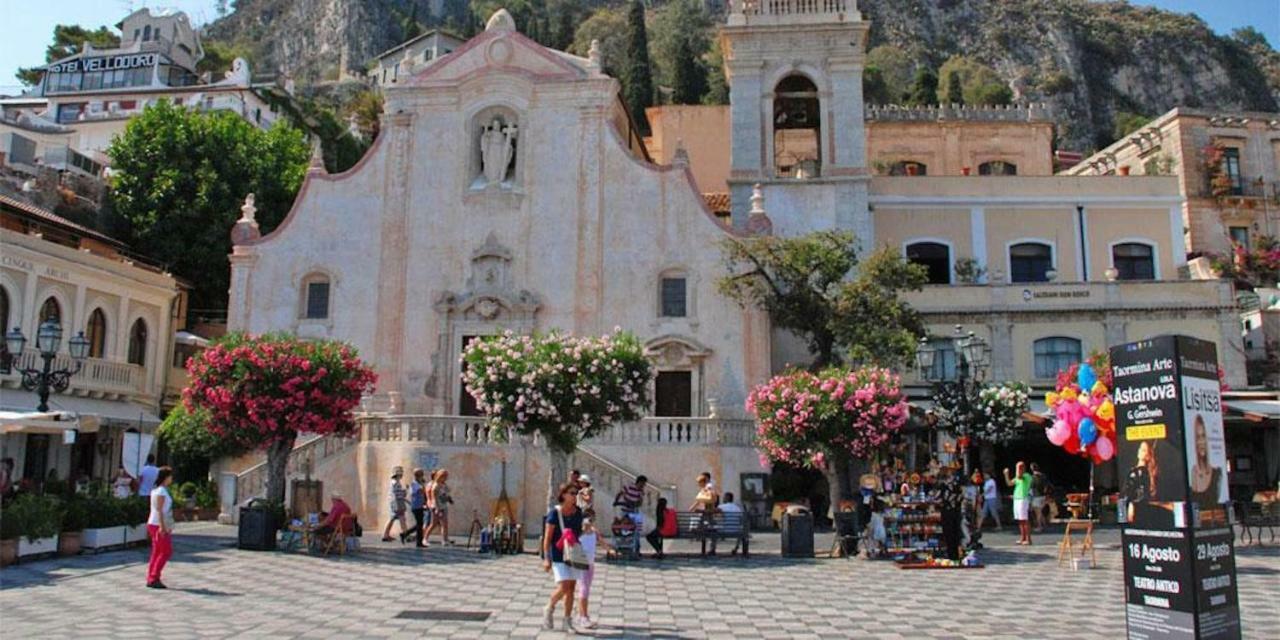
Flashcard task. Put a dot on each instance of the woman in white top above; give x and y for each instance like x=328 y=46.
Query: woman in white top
x=160 y=527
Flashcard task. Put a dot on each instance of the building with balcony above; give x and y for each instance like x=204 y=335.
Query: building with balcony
x=1227 y=166
x=84 y=100
x=508 y=191
x=127 y=309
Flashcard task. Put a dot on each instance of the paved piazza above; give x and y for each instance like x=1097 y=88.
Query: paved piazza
x=217 y=591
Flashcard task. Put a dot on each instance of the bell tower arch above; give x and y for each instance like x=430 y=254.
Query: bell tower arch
x=795 y=74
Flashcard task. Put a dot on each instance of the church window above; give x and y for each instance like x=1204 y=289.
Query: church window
x=315 y=297
x=797 y=127
x=998 y=168
x=674 y=297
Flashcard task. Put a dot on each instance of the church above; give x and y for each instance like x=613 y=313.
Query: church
x=510 y=190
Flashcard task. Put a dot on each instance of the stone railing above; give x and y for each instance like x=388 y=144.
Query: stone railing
x=1036 y=112
x=252 y=482
x=96 y=376
x=436 y=429
x=744 y=12
x=679 y=431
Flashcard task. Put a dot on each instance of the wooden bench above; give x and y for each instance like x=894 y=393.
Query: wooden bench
x=695 y=525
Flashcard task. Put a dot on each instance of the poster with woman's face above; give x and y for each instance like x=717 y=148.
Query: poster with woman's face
x=1206 y=447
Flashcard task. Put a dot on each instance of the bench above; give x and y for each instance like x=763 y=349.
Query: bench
x=695 y=525
x=1258 y=515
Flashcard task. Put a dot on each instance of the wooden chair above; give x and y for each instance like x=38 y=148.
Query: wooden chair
x=1067 y=548
x=338 y=539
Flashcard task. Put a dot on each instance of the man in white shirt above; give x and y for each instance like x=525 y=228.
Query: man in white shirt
x=729 y=506
x=147 y=477
x=990 y=502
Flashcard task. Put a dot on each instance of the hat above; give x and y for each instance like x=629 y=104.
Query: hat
x=397 y=471
x=584 y=479
x=335 y=494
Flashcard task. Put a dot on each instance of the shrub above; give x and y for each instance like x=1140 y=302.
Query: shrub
x=102 y=511
x=36 y=516
x=75 y=512
x=207 y=496
x=136 y=509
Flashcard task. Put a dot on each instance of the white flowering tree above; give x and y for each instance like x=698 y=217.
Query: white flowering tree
x=991 y=416
x=562 y=388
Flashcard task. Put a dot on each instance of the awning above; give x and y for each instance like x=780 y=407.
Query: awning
x=116 y=411
x=54 y=422
x=1255 y=410
x=186 y=337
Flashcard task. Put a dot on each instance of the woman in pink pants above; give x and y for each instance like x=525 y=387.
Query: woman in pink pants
x=160 y=527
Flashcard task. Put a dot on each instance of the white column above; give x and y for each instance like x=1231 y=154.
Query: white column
x=122 y=331
x=77 y=316
x=28 y=318
x=1177 y=239
x=978 y=238
x=159 y=363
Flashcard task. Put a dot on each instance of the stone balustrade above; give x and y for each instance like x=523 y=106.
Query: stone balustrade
x=475 y=431
x=745 y=12
x=96 y=377
x=1035 y=112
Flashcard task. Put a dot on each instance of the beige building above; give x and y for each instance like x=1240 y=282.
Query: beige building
x=388 y=67
x=128 y=310
x=508 y=191
x=1245 y=202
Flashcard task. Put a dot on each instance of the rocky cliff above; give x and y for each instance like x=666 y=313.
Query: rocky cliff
x=1090 y=60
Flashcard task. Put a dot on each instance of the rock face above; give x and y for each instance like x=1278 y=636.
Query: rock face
x=316 y=40
x=1090 y=60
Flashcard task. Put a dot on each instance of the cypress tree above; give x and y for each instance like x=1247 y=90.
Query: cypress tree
x=925 y=89
x=955 y=91
x=689 y=76
x=637 y=79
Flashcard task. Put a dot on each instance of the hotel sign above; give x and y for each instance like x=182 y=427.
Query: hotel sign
x=1041 y=294
x=107 y=63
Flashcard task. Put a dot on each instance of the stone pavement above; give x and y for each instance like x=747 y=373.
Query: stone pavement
x=218 y=591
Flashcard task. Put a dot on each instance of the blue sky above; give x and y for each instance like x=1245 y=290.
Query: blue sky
x=28 y=24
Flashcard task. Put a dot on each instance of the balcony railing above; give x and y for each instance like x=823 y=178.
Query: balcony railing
x=475 y=431
x=98 y=377
x=792 y=11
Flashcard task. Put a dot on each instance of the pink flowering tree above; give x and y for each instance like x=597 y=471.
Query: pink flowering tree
x=828 y=419
x=262 y=391
x=563 y=388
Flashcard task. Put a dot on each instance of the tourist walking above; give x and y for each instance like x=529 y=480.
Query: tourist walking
x=563 y=528
x=664 y=526
x=590 y=539
x=1021 y=484
x=160 y=527
x=1039 y=492
x=398 y=506
x=440 y=500
x=418 y=505
x=990 y=503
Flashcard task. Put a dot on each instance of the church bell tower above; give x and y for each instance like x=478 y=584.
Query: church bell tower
x=795 y=74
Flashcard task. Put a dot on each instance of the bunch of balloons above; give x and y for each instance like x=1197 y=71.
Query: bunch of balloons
x=1085 y=418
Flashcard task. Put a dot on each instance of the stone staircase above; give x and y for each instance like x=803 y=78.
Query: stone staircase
x=608 y=478
x=238 y=489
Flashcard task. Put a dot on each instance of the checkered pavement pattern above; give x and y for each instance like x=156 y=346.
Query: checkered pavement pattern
x=218 y=591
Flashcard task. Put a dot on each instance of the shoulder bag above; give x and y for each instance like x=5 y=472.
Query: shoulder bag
x=574 y=555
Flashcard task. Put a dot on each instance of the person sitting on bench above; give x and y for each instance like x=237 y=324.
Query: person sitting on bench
x=734 y=523
x=664 y=527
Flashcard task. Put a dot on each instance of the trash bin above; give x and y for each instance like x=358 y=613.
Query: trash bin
x=257 y=526
x=797 y=533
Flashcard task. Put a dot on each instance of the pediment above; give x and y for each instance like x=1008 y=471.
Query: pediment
x=501 y=51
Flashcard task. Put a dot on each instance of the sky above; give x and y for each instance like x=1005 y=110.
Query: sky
x=27 y=25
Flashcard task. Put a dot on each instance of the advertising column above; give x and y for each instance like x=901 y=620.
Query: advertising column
x=1179 y=564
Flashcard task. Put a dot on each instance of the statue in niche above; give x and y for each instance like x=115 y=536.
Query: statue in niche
x=497 y=147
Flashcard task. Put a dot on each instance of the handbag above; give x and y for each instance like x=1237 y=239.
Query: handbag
x=574 y=555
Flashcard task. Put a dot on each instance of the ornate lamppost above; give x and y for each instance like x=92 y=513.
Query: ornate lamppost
x=973 y=358
x=46 y=380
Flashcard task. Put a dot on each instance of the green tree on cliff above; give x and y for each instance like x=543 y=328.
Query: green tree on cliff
x=67 y=40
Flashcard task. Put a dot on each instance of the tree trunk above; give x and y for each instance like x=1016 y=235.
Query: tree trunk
x=840 y=474
x=559 y=471
x=987 y=457
x=277 y=468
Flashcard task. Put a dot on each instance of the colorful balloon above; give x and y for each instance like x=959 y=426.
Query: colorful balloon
x=1106 y=410
x=1106 y=448
x=1085 y=377
x=1088 y=431
x=1057 y=436
x=1098 y=389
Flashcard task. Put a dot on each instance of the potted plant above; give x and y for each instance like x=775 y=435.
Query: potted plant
x=41 y=519
x=207 y=506
x=136 y=510
x=969 y=270
x=11 y=526
x=104 y=523
x=74 y=512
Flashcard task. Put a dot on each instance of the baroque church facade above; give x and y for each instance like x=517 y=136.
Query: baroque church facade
x=509 y=190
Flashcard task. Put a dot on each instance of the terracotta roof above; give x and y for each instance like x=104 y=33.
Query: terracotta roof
x=49 y=217
x=718 y=203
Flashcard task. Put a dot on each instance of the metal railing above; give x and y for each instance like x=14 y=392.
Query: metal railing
x=252 y=482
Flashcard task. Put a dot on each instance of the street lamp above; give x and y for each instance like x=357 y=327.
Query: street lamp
x=46 y=380
x=973 y=358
